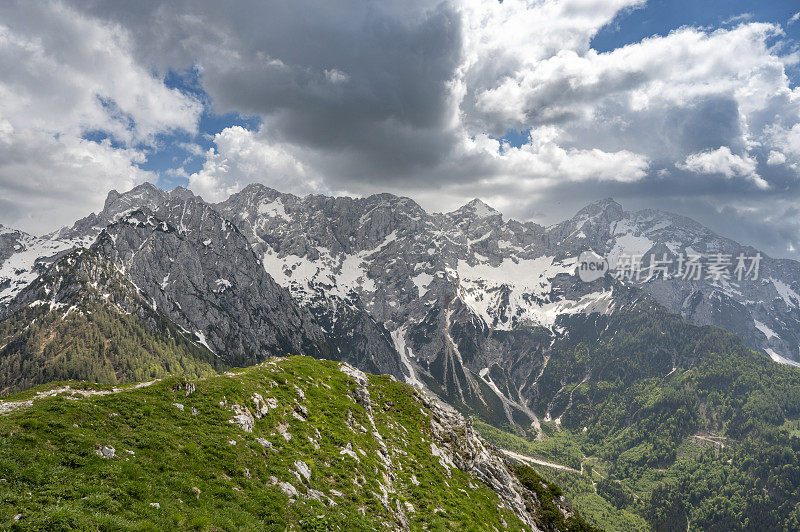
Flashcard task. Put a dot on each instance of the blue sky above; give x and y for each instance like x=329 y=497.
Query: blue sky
x=659 y=17
x=170 y=151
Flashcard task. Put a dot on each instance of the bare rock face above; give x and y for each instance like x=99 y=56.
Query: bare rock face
x=320 y=269
x=243 y=418
x=199 y=270
x=458 y=445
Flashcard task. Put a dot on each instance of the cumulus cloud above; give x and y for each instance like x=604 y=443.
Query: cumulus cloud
x=518 y=54
x=620 y=98
x=542 y=158
x=722 y=161
x=241 y=157
x=66 y=72
x=775 y=158
x=786 y=139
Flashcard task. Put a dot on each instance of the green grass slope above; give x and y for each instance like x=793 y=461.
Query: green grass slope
x=293 y=443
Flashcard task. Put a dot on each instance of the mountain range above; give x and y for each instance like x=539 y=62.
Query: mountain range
x=437 y=300
x=488 y=315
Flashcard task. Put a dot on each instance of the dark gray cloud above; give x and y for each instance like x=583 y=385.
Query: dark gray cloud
x=368 y=78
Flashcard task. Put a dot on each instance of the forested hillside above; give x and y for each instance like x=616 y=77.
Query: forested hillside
x=668 y=423
x=83 y=320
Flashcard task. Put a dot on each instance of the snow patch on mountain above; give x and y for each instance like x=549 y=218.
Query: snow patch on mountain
x=274 y=208
x=19 y=269
x=627 y=243
x=769 y=333
x=781 y=360
x=515 y=291
x=422 y=281
x=338 y=275
x=787 y=294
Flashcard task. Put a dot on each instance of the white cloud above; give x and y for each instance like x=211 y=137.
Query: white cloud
x=775 y=158
x=336 y=76
x=192 y=147
x=786 y=139
x=241 y=157
x=737 y=18
x=48 y=182
x=687 y=64
x=512 y=179
x=794 y=18
x=692 y=98
x=722 y=161
x=510 y=45
x=65 y=72
x=543 y=161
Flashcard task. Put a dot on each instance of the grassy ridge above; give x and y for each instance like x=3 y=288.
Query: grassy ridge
x=190 y=468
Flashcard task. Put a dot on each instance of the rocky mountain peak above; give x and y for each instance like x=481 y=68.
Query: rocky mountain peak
x=257 y=189
x=476 y=209
x=606 y=209
x=255 y=199
x=181 y=193
x=144 y=195
x=116 y=205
